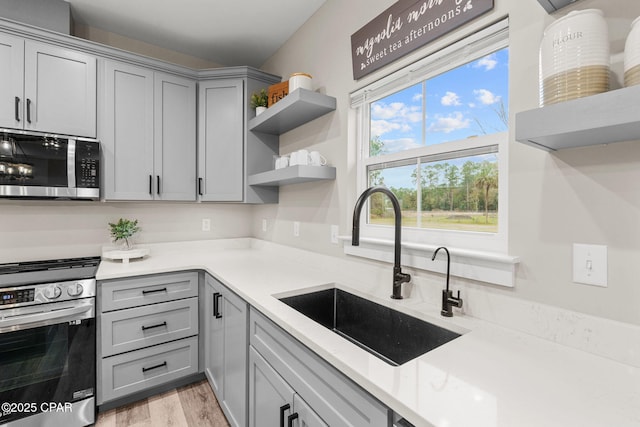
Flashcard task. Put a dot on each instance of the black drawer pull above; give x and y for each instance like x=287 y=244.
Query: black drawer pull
x=283 y=408
x=216 y=305
x=200 y=186
x=158 y=184
x=153 y=291
x=290 y=419
x=159 y=325
x=154 y=367
x=17 y=109
x=151 y=185
x=28 y=110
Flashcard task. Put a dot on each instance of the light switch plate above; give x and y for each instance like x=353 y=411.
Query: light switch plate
x=590 y=264
x=296 y=229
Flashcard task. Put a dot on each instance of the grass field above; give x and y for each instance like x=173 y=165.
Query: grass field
x=462 y=221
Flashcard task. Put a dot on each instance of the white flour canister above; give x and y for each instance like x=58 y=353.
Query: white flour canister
x=632 y=55
x=299 y=80
x=574 y=57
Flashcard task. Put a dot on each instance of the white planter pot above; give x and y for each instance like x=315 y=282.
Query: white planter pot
x=260 y=110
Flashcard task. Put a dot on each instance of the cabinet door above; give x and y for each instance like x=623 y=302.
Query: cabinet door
x=126 y=131
x=234 y=315
x=304 y=415
x=60 y=90
x=270 y=397
x=175 y=138
x=214 y=337
x=221 y=141
x=226 y=350
x=11 y=81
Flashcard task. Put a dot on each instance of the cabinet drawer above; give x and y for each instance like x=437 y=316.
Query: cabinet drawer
x=138 y=370
x=136 y=291
x=335 y=398
x=134 y=328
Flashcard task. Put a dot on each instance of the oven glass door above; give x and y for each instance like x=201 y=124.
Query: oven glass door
x=54 y=363
x=29 y=160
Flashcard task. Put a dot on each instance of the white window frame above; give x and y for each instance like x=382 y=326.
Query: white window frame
x=467 y=247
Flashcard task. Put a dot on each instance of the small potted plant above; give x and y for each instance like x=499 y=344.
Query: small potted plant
x=259 y=101
x=123 y=230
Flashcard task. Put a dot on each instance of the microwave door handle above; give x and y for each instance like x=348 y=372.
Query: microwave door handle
x=28 y=321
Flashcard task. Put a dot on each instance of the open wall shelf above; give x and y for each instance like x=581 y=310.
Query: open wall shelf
x=293 y=175
x=608 y=117
x=295 y=109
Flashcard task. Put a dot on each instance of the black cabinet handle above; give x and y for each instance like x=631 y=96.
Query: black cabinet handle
x=283 y=408
x=290 y=419
x=200 y=186
x=150 y=184
x=159 y=325
x=154 y=367
x=158 y=184
x=17 y=109
x=216 y=305
x=28 y=111
x=153 y=291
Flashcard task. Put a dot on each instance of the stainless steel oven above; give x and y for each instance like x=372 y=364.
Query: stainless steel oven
x=38 y=165
x=47 y=343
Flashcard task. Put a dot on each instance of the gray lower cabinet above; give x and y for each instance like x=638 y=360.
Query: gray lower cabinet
x=147 y=333
x=272 y=401
x=226 y=344
x=286 y=379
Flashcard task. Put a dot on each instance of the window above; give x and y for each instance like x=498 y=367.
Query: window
x=436 y=135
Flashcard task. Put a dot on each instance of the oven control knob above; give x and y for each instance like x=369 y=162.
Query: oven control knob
x=75 y=290
x=53 y=292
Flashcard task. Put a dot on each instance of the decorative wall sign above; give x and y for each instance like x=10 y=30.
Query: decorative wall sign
x=406 y=26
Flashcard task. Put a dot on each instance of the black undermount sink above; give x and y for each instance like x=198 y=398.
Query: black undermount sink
x=392 y=336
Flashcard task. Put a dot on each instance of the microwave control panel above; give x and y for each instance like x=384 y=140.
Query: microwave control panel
x=87 y=164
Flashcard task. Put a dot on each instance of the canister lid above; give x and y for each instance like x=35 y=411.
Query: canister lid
x=301 y=74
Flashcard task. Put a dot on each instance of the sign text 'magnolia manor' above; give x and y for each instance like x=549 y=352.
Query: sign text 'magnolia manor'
x=406 y=26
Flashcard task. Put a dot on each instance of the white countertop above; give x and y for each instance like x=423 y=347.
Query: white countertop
x=490 y=376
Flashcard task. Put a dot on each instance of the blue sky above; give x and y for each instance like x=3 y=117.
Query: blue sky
x=459 y=104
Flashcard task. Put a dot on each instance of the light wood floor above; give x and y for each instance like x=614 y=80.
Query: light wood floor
x=193 y=405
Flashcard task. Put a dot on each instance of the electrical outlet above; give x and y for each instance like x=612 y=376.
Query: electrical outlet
x=264 y=225
x=334 y=234
x=206 y=224
x=590 y=264
x=296 y=229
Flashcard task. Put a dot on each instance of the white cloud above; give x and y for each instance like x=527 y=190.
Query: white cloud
x=395 y=116
x=417 y=97
x=488 y=63
x=450 y=99
x=450 y=123
x=486 y=97
x=472 y=105
x=401 y=144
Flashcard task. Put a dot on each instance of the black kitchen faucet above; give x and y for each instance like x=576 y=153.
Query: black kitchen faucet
x=398 y=276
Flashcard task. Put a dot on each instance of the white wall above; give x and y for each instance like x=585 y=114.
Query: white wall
x=32 y=230
x=587 y=195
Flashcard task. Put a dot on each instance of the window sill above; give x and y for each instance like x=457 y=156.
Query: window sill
x=488 y=267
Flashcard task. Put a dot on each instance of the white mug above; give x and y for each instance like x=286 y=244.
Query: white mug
x=300 y=157
x=282 y=162
x=317 y=159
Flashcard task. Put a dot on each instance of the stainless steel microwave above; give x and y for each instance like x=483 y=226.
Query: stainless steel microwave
x=34 y=165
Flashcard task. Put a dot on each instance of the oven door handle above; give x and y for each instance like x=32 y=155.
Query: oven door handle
x=34 y=320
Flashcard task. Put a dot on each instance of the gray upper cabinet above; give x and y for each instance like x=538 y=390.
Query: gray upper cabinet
x=221 y=140
x=226 y=346
x=227 y=152
x=175 y=138
x=147 y=129
x=47 y=88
